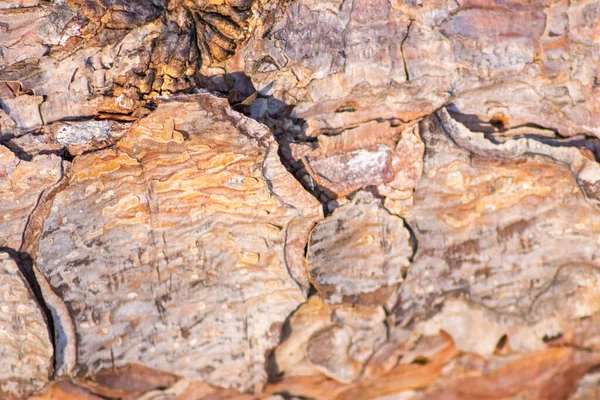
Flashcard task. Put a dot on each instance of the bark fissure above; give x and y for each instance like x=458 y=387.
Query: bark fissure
x=25 y=262
x=385 y=198
x=404 y=39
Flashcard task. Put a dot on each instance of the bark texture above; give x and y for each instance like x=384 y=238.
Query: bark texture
x=340 y=199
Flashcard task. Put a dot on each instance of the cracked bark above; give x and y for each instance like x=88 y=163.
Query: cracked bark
x=409 y=206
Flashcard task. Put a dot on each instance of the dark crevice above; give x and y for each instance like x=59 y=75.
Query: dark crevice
x=239 y=88
x=274 y=374
x=76 y=118
x=502 y=342
x=438 y=121
x=6 y=137
x=498 y=124
x=292 y=396
x=583 y=142
x=26 y=255
x=530 y=125
x=421 y=360
x=62 y=153
x=589 y=188
x=553 y=338
x=312 y=291
x=407 y=75
x=24 y=262
x=17 y=150
x=414 y=242
x=22 y=154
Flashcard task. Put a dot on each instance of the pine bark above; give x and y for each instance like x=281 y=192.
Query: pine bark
x=340 y=199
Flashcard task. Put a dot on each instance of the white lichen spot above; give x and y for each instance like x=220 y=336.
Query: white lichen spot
x=490 y=207
x=454 y=179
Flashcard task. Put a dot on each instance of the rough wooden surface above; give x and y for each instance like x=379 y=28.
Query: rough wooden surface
x=514 y=241
x=169 y=249
x=345 y=63
x=359 y=253
x=25 y=343
x=340 y=199
x=21 y=185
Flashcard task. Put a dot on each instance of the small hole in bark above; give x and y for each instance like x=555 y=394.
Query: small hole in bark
x=550 y=339
x=185 y=333
x=421 y=360
x=502 y=343
x=347 y=107
x=395 y=122
x=499 y=122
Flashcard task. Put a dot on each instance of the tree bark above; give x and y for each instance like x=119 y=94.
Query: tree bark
x=340 y=199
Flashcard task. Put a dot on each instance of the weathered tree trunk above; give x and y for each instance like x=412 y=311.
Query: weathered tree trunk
x=339 y=199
